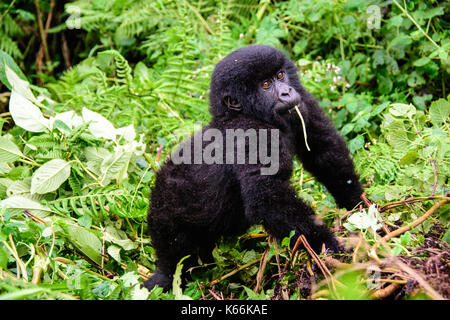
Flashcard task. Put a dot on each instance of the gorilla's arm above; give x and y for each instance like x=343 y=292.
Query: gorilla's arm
x=271 y=200
x=329 y=159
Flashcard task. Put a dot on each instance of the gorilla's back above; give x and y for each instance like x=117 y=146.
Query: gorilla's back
x=200 y=195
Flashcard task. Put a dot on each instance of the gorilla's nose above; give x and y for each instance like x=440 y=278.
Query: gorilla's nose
x=288 y=96
x=284 y=91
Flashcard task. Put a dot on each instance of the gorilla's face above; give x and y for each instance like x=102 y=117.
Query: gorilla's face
x=279 y=93
x=259 y=81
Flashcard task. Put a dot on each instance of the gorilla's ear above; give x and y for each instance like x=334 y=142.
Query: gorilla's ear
x=232 y=103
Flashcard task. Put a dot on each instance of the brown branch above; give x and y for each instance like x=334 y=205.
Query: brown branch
x=262 y=267
x=334 y=263
x=65 y=51
x=43 y=49
x=394 y=204
x=316 y=258
x=294 y=251
x=34 y=217
x=385 y=292
x=355 y=252
x=42 y=32
x=366 y=201
x=415 y=223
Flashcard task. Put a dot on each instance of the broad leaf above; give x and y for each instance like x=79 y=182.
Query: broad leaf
x=22 y=203
x=7 y=62
x=120 y=238
x=100 y=127
x=86 y=242
x=114 y=252
x=439 y=111
x=115 y=166
x=69 y=118
x=9 y=152
x=401 y=110
x=410 y=158
x=25 y=114
x=50 y=176
x=20 y=86
x=398 y=135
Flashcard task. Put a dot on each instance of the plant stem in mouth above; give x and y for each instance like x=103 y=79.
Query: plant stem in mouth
x=303 y=126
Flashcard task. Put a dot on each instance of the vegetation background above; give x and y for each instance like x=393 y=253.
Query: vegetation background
x=96 y=93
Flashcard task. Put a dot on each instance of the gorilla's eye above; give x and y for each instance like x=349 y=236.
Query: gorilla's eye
x=266 y=84
x=280 y=75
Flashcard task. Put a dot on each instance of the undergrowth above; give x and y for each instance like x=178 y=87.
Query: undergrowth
x=83 y=135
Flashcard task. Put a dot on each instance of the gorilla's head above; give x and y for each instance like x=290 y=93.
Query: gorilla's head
x=257 y=80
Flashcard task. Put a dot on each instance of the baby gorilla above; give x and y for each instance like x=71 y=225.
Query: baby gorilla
x=194 y=203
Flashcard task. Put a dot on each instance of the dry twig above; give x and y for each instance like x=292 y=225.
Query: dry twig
x=322 y=267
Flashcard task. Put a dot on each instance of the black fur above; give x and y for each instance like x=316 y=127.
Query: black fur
x=193 y=205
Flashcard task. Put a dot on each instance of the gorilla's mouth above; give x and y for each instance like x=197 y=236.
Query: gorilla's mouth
x=285 y=108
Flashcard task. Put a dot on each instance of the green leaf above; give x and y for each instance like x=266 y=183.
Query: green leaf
x=20 y=294
x=410 y=158
x=99 y=126
x=356 y=143
x=398 y=137
x=114 y=252
x=119 y=237
x=397 y=250
x=3 y=259
x=25 y=114
x=115 y=166
x=7 y=62
x=394 y=192
x=380 y=108
x=402 y=110
x=352 y=106
x=421 y=62
x=446 y=236
x=50 y=176
x=85 y=221
x=347 y=128
x=363 y=220
x=21 y=203
x=138 y=293
x=178 y=293
x=86 y=242
x=9 y=152
x=439 y=111
x=20 y=86
x=254 y=296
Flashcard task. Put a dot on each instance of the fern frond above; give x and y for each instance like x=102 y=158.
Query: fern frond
x=8 y=45
x=123 y=69
x=381 y=163
x=74 y=182
x=101 y=203
x=10 y=26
